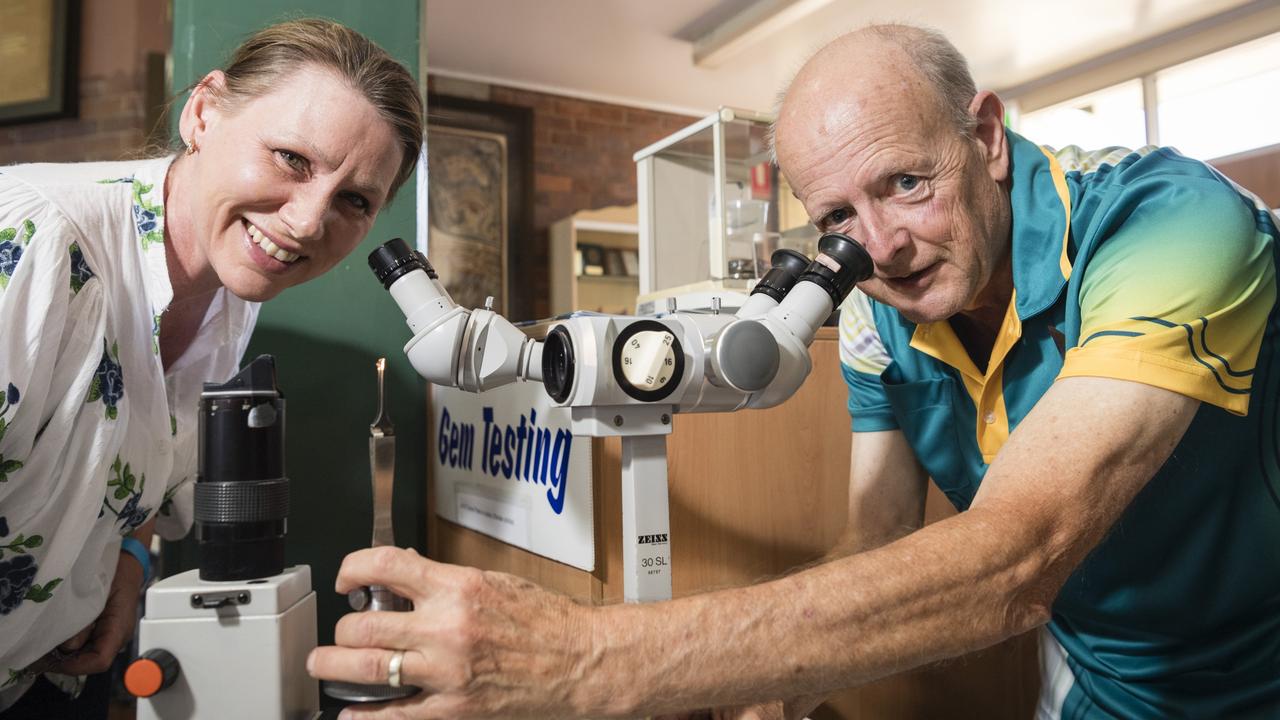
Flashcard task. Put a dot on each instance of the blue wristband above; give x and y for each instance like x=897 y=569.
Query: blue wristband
x=134 y=547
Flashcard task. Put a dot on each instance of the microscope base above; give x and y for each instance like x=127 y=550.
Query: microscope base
x=241 y=647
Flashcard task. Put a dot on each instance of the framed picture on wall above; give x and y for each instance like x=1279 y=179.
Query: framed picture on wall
x=38 y=58
x=479 y=202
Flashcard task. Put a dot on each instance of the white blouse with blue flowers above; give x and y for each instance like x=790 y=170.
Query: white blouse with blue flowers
x=95 y=436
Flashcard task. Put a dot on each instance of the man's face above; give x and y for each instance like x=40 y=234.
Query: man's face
x=287 y=184
x=894 y=174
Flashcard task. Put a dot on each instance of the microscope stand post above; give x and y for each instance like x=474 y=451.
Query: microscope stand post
x=646 y=519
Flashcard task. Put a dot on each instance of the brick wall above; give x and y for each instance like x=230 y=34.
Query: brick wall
x=113 y=120
x=581 y=155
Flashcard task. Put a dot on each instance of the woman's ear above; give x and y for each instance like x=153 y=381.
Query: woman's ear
x=201 y=108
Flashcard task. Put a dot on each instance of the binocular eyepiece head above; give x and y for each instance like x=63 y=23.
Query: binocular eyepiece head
x=841 y=263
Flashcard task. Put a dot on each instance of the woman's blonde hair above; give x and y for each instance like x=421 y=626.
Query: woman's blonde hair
x=269 y=56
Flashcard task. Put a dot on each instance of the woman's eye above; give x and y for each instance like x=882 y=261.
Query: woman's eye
x=357 y=201
x=908 y=182
x=293 y=160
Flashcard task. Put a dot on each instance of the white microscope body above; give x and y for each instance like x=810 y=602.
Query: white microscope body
x=268 y=626
x=626 y=376
x=231 y=639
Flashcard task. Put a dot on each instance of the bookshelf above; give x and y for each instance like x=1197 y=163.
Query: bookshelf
x=610 y=286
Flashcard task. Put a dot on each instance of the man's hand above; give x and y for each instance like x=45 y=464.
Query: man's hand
x=93 y=649
x=479 y=644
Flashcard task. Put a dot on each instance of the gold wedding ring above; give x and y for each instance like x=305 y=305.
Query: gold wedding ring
x=393 y=668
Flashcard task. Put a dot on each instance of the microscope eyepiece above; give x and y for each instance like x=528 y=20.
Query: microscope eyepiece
x=392 y=259
x=854 y=258
x=842 y=262
x=785 y=268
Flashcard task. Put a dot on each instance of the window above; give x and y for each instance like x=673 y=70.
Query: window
x=1111 y=116
x=1210 y=107
x=1223 y=103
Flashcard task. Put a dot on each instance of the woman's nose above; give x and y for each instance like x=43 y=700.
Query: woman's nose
x=305 y=213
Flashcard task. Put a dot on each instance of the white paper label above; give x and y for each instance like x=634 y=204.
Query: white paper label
x=504 y=521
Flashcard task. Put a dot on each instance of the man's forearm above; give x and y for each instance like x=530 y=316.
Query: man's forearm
x=955 y=586
x=951 y=588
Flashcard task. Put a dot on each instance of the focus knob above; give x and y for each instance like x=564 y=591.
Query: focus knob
x=154 y=671
x=648 y=362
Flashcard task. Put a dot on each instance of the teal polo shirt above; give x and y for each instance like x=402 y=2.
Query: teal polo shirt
x=1149 y=267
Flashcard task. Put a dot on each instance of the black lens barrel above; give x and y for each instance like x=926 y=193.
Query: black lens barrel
x=394 y=258
x=785 y=268
x=241 y=492
x=842 y=262
x=558 y=363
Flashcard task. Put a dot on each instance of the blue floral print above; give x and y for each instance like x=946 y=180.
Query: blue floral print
x=131 y=516
x=10 y=254
x=146 y=219
x=12 y=246
x=147 y=215
x=127 y=487
x=80 y=270
x=17 y=575
x=108 y=381
x=8 y=465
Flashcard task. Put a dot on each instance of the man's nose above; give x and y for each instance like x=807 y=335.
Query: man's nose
x=884 y=241
x=304 y=214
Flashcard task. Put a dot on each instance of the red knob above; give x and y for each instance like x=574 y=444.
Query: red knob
x=154 y=671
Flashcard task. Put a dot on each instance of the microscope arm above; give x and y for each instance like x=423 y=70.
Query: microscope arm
x=472 y=350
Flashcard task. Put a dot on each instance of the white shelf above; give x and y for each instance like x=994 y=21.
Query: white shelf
x=612 y=228
x=609 y=227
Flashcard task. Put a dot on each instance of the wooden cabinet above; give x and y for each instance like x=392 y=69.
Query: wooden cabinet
x=614 y=233
x=753 y=494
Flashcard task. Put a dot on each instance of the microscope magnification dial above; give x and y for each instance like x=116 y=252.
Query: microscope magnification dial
x=648 y=361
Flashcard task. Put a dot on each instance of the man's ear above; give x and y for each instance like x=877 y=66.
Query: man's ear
x=201 y=108
x=988 y=110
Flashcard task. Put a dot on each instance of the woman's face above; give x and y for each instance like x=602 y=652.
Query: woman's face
x=285 y=185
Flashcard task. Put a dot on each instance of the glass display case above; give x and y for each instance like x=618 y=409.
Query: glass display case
x=708 y=212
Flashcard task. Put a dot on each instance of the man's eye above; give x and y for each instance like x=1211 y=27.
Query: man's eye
x=908 y=182
x=837 y=217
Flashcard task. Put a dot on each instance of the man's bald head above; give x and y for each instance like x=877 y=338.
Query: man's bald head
x=884 y=64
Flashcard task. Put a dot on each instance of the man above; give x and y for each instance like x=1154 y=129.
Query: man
x=1080 y=357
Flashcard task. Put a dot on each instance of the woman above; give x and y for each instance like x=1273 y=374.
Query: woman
x=125 y=286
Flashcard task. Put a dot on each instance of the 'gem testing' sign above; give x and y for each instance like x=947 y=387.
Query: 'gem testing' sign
x=505 y=464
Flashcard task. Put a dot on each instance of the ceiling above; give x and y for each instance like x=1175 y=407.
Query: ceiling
x=641 y=52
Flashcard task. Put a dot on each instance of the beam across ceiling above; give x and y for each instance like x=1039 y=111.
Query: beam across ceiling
x=753 y=24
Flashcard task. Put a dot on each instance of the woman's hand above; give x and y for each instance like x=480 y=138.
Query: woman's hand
x=479 y=644
x=94 y=648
